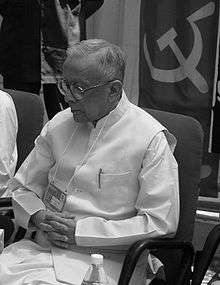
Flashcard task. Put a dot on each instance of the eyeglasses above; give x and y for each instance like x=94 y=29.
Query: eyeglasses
x=74 y=92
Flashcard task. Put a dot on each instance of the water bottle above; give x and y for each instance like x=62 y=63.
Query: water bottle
x=95 y=274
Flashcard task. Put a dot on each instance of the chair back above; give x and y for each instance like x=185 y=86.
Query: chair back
x=30 y=113
x=188 y=154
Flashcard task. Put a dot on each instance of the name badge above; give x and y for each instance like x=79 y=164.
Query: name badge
x=54 y=199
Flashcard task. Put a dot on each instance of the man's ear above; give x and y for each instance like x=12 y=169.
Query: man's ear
x=115 y=90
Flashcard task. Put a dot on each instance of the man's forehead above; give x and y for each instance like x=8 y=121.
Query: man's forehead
x=84 y=66
x=76 y=60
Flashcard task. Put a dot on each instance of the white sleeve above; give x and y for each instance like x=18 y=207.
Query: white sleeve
x=8 y=136
x=25 y=204
x=33 y=178
x=157 y=204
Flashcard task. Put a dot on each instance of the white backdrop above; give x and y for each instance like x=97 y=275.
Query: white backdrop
x=118 y=22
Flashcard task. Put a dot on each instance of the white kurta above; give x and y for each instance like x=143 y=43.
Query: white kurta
x=8 y=135
x=134 y=196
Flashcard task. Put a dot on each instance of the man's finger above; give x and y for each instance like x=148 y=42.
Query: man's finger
x=61 y=220
x=56 y=236
x=45 y=227
x=60 y=244
x=66 y=215
x=58 y=226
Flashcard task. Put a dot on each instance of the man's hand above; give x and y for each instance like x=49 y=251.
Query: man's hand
x=38 y=218
x=59 y=227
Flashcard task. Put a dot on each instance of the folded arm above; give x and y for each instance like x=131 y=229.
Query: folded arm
x=33 y=175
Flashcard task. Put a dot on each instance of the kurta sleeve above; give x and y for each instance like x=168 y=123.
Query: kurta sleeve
x=33 y=176
x=8 y=146
x=157 y=204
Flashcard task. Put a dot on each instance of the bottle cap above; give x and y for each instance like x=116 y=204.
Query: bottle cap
x=96 y=259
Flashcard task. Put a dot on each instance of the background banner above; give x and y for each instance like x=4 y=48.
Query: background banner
x=215 y=123
x=216 y=119
x=178 y=41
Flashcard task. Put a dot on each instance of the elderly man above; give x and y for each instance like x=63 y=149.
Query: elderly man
x=101 y=176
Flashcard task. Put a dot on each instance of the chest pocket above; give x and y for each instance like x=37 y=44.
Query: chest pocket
x=107 y=180
x=101 y=179
x=115 y=187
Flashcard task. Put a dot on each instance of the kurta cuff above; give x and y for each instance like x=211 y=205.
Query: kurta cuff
x=25 y=204
x=96 y=231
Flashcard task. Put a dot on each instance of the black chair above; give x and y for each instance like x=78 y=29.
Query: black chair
x=204 y=257
x=177 y=253
x=30 y=113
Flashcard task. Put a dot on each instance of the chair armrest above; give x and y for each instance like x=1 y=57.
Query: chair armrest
x=208 y=204
x=136 y=249
x=6 y=221
x=7 y=224
x=203 y=257
x=5 y=202
x=6 y=208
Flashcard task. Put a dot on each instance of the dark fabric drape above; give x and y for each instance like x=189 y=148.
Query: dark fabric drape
x=177 y=63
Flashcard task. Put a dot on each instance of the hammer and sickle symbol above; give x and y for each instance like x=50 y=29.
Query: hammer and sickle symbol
x=187 y=68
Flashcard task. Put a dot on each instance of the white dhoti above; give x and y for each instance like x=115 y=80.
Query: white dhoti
x=27 y=263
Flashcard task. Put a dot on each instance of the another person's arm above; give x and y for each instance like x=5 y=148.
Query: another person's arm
x=8 y=136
